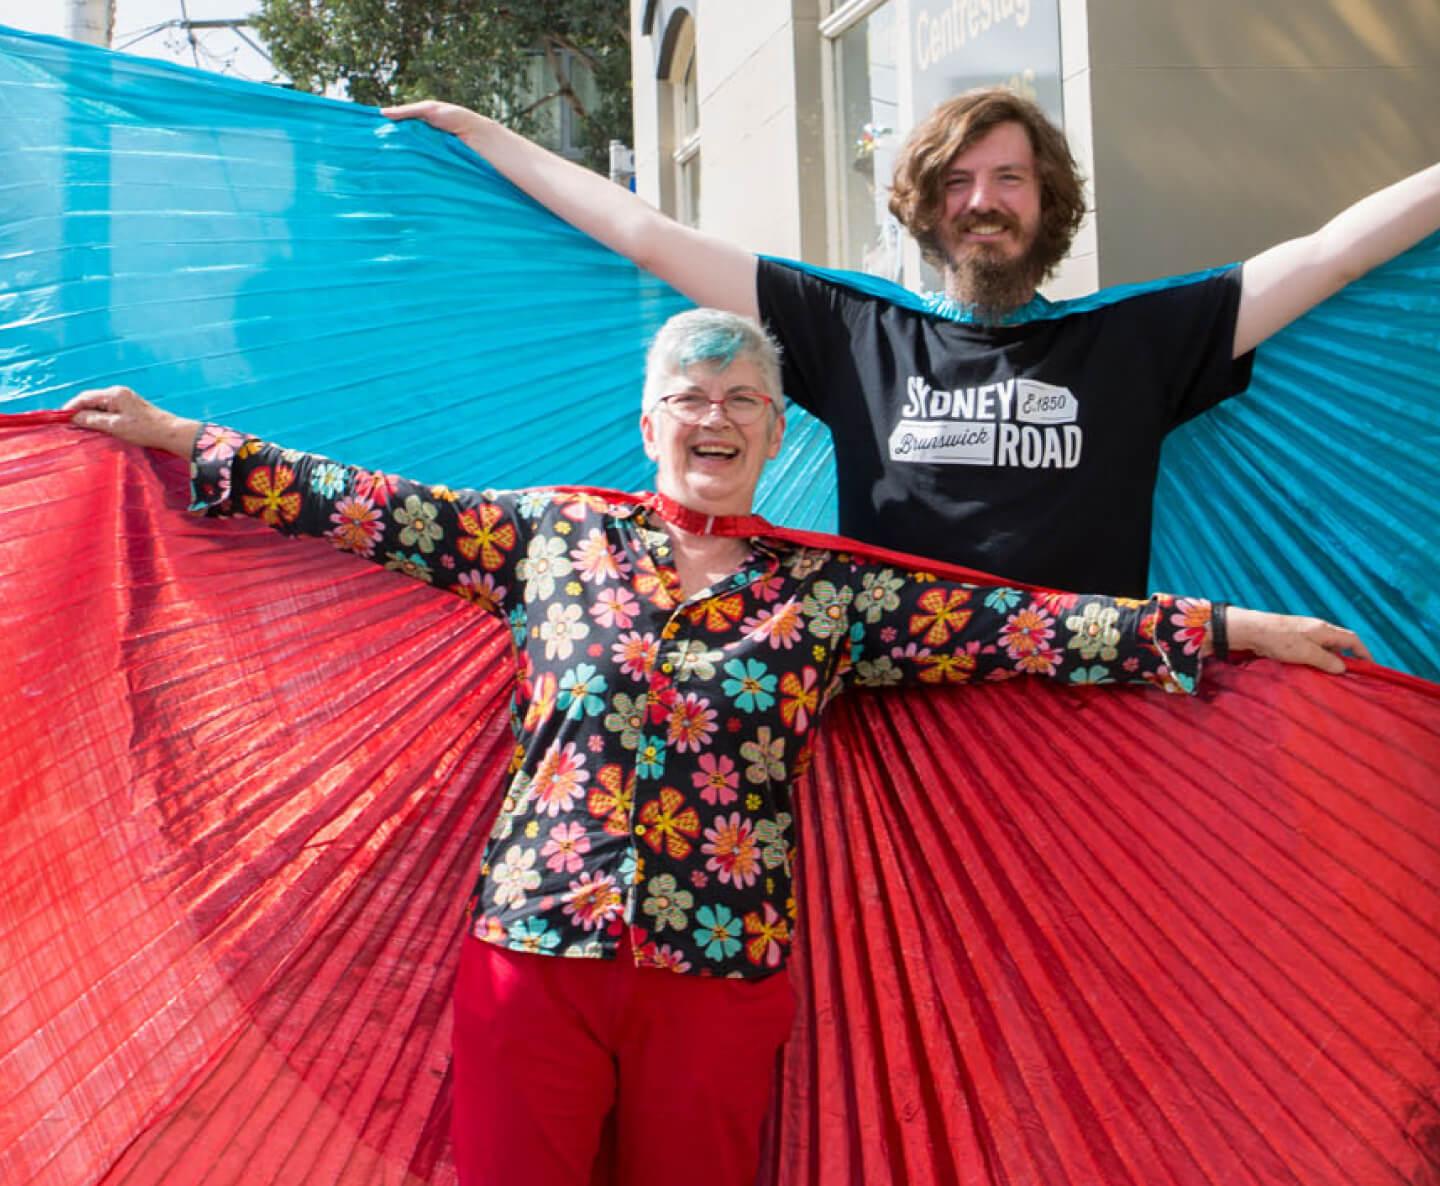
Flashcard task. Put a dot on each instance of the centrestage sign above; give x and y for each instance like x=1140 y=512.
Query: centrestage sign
x=959 y=44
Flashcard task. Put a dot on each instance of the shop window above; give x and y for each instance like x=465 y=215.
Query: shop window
x=559 y=127
x=865 y=48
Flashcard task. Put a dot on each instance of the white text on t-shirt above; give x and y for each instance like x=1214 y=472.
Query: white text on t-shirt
x=1020 y=423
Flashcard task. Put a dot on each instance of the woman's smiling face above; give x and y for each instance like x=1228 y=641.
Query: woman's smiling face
x=712 y=466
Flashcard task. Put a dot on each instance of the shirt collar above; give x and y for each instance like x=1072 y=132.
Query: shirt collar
x=699 y=523
x=942 y=306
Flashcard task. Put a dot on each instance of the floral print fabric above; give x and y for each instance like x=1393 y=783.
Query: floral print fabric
x=659 y=733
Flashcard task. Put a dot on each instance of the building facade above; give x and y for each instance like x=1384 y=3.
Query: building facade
x=1208 y=131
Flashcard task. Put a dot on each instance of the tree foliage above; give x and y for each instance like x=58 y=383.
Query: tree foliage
x=510 y=59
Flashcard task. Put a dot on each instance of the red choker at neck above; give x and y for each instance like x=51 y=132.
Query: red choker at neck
x=698 y=523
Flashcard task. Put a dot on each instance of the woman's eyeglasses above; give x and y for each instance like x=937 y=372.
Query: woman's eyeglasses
x=740 y=407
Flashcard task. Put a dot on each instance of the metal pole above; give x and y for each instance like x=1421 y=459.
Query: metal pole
x=90 y=21
x=622 y=164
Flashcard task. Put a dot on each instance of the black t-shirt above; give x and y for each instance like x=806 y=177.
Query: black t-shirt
x=1029 y=451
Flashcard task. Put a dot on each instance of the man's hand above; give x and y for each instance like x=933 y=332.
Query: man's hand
x=447 y=117
x=1293 y=640
x=121 y=413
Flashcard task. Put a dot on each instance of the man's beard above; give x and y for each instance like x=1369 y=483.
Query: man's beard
x=993 y=285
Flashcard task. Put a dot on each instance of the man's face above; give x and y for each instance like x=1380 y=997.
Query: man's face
x=992 y=218
x=712 y=466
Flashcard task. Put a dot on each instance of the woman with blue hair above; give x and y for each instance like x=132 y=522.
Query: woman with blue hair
x=622 y=988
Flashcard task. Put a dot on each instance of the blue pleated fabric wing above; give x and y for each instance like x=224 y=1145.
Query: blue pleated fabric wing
x=1318 y=490
x=307 y=269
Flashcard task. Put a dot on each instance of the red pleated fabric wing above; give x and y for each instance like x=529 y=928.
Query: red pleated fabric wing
x=1050 y=936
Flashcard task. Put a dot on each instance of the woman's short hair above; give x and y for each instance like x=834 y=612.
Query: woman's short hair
x=713 y=338
x=917 y=196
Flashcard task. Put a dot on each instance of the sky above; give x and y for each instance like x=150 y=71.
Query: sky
x=146 y=27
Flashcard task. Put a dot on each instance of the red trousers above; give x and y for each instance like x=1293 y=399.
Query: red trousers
x=573 y=1072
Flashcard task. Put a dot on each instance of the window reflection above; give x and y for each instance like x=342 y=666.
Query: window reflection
x=866 y=60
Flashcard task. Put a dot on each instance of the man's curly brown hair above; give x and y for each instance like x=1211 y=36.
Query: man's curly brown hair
x=917 y=197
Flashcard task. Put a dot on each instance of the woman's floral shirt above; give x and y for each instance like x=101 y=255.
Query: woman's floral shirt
x=658 y=735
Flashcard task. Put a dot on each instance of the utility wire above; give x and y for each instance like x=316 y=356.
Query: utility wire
x=234 y=25
x=144 y=33
x=190 y=33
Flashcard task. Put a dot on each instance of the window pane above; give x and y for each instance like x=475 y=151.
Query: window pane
x=690 y=191
x=582 y=80
x=689 y=96
x=866 y=57
x=540 y=80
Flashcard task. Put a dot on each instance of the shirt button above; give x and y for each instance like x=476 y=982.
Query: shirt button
x=667 y=668
x=639 y=829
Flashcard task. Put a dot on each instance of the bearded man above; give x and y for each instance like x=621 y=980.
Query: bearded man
x=985 y=425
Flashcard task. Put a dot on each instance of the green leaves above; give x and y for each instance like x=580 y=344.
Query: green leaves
x=555 y=70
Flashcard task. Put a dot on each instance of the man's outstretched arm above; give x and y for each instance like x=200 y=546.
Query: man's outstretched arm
x=1293 y=277
x=708 y=270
